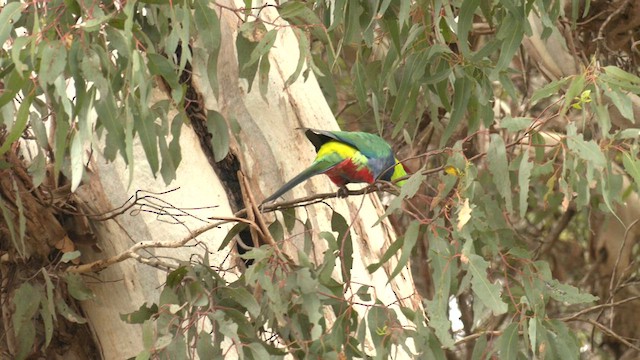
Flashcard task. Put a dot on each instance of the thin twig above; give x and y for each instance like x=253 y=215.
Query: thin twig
x=615 y=267
x=608 y=331
x=597 y=307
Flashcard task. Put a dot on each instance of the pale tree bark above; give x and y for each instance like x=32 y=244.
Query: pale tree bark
x=270 y=151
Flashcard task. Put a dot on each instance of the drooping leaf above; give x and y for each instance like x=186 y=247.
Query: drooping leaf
x=524 y=176
x=586 y=150
x=516 y=124
x=217 y=126
x=141 y=315
x=621 y=101
x=53 y=62
x=575 y=88
x=205 y=348
x=465 y=22
x=77 y=161
x=9 y=15
x=499 y=167
x=303 y=49
x=508 y=344
x=462 y=93
x=410 y=240
x=161 y=66
x=68 y=313
x=77 y=287
x=485 y=290
x=235 y=230
x=548 y=90
x=26 y=301
x=20 y=124
x=632 y=167
x=511 y=33
x=345 y=245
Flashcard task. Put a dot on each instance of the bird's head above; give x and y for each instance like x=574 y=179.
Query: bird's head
x=398 y=172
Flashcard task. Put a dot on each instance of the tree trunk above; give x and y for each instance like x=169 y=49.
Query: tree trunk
x=269 y=150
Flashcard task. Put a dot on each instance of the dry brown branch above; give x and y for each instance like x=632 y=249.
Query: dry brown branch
x=597 y=307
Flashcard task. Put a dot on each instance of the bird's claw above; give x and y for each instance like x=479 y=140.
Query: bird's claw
x=343 y=192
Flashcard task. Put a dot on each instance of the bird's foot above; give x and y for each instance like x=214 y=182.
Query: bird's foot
x=379 y=185
x=343 y=192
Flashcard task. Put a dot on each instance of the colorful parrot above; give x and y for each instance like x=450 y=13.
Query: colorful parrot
x=348 y=157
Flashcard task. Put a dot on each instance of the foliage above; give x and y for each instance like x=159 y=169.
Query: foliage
x=415 y=69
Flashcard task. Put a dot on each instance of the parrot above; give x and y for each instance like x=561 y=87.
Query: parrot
x=348 y=157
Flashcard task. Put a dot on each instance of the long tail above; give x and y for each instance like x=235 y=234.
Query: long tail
x=316 y=168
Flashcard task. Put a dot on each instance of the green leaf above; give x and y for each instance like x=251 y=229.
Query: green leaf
x=479 y=350
x=487 y=292
x=146 y=127
x=575 y=89
x=77 y=162
x=68 y=313
x=235 y=230
x=246 y=42
x=359 y=83
x=26 y=301
x=161 y=66
x=533 y=334
x=289 y=218
x=588 y=151
x=515 y=124
x=524 y=176
x=465 y=22
x=508 y=344
x=568 y=294
x=77 y=288
x=175 y=277
x=410 y=240
x=15 y=83
x=440 y=256
x=388 y=254
x=462 y=93
x=217 y=126
x=243 y=297
x=548 y=90
x=632 y=167
x=345 y=245
x=38 y=169
x=95 y=23
x=9 y=15
x=262 y=48
x=303 y=49
x=511 y=33
x=291 y=9
x=53 y=62
x=276 y=230
x=205 y=348
x=72 y=255
x=50 y=305
x=563 y=340
x=263 y=77
x=208 y=30
x=619 y=74
x=439 y=322
x=499 y=168
x=47 y=320
x=19 y=125
x=621 y=101
x=141 y=315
